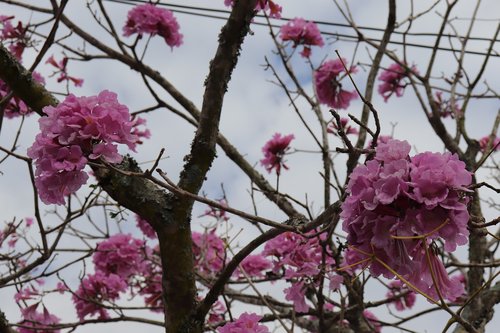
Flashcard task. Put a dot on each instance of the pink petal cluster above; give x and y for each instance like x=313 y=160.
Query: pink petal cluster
x=153 y=20
x=16 y=107
x=209 y=252
x=495 y=144
x=63 y=72
x=246 y=323
x=328 y=87
x=445 y=106
x=301 y=260
x=77 y=130
x=333 y=128
x=372 y=320
x=145 y=227
x=96 y=289
x=393 y=80
x=274 y=151
x=37 y=322
x=392 y=200
x=217 y=213
x=254 y=265
x=264 y=5
x=14 y=35
x=397 y=289
x=302 y=32
x=121 y=254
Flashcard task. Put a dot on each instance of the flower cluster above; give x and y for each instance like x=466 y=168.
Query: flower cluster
x=40 y=322
x=404 y=297
x=302 y=32
x=393 y=80
x=145 y=227
x=333 y=128
x=217 y=213
x=484 y=141
x=274 y=151
x=153 y=20
x=328 y=87
x=209 y=252
x=301 y=259
x=77 y=130
x=15 y=106
x=397 y=206
x=63 y=72
x=246 y=323
x=254 y=265
x=265 y=5
x=15 y=36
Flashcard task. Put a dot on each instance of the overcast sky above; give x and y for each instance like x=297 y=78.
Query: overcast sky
x=254 y=108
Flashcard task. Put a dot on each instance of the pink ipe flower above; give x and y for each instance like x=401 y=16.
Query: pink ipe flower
x=328 y=87
x=393 y=80
x=16 y=106
x=209 y=252
x=484 y=141
x=302 y=32
x=397 y=289
x=274 y=152
x=246 y=323
x=145 y=227
x=153 y=20
x=217 y=213
x=61 y=67
x=372 y=320
x=333 y=128
x=15 y=36
x=264 y=5
x=39 y=322
x=446 y=109
x=254 y=266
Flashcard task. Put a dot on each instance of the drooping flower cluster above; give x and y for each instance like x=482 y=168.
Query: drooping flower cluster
x=274 y=152
x=209 y=252
x=145 y=227
x=246 y=323
x=15 y=36
x=63 y=71
x=393 y=80
x=77 y=130
x=15 y=106
x=328 y=87
x=405 y=297
x=397 y=206
x=254 y=265
x=153 y=20
x=302 y=32
x=273 y=9
x=39 y=322
x=301 y=259
x=333 y=128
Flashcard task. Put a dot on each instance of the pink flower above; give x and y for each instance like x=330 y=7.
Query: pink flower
x=254 y=266
x=302 y=32
x=392 y=80
x=16 y=107
x=36 y=322
x=495 y=144
x=78 y=129
x=397 y=289
x=218 y=214
x=145 y=227
x=334 y=129
x=63 y=72
x=274 y=152
x=372 y=320
x=209 y=252
x=296 y=293
x=328 y=86
x=246 y=323
x=264 y=5
x=96 y=289
x=122 y=255
x=445 y=107
x=15 y=36
x=153 y=20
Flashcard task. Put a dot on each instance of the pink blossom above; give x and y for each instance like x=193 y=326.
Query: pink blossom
x=392 y=80
x=333 y=128
x=78 y=129
x=153 y=20
x=145 y=227
x=209 y=252
x=246 y=323
x=38 y=322
x=328 y=87
x=397 y=289
x=372 y=320
x=16 y=107
x=216 y=313
x=302 y=32
x=122 y=255
x=28 y=293
x=335 y=281
x=274 y=151
x=264 y=5
x=15 y=36
x=296 y=293
x=217 y=213
x=151 y=288
x=254 y=266
x=446 y=109
x=395 y=195
x=63 y=72
x=495 y=144
x=94 y=290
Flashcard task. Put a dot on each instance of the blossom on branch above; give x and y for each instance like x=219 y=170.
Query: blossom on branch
x=302 y=32
x=37 y=322
x=405 y=297
x=153 y=20
x=333 y=128
x=328 y=87
x=15 y=106
x=264 y=5
x=274 y=151
x=14 y=35
x=246 y=323
x=484 y=141
x=61 y=68
x=392 y=80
